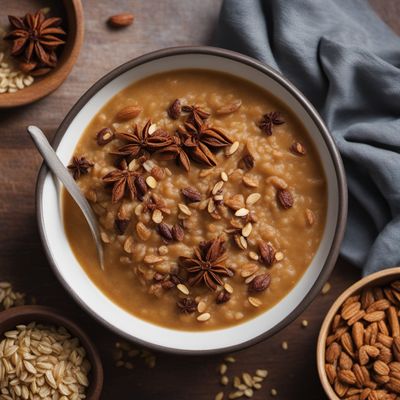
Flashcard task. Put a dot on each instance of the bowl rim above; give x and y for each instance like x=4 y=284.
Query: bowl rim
x=323 y=333
x=273 y=74
x=53 y=316
x=49 y=83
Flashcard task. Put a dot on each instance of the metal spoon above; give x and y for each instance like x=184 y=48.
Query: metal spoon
x=57 y=167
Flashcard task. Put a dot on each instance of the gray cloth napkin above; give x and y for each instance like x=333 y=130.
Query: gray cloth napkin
x=346 y=61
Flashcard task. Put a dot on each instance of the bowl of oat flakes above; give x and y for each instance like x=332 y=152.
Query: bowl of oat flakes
x=219 y=192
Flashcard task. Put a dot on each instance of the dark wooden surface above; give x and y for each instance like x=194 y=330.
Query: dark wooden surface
x=158 y=24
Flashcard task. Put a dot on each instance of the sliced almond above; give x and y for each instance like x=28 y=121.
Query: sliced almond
x=252 y=199
x=229 y=108
x=242 y=212
x=254 y=301
x=232 y=149
x=181 y=287
x=151 y=182
x=217 y=187
x=204 y=317
x=152 y=259
x=250 y=181
x=224 y=176
x=246 y=230
x=157 y=216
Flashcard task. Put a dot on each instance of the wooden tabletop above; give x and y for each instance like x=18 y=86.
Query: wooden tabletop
x=158 y=24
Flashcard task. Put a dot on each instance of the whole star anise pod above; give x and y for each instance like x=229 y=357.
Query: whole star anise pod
x=176 y=151
x=269 y=120
x=207 y=264
x=35 y=38
x=141 y=141
x=199 y=140
x=79 y=166
x=123 y=181
x=196 y=114
x=187 y=305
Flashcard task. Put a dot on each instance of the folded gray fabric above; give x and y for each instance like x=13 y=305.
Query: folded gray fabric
x=346 y=61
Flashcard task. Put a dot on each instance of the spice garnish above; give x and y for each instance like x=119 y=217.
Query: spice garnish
x=269 y=120
x=174 y=110
x=79 y=166
x=187 y=305
x=124 y=181
x=34 y=40
x=140 y=141
x=196 y=114
x=206 y=266
x=176 y=151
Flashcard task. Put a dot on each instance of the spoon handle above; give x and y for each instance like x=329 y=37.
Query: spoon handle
x=57 y=167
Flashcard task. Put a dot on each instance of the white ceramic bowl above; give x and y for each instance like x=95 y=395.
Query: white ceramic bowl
x=74 y=278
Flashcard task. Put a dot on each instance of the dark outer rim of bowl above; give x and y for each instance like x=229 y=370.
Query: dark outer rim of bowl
x=337 y=161
x=48 y=315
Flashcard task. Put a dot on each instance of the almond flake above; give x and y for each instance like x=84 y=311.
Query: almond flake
x=252 y=199
x=157 y=216
x=152 y=259
x=204 y=317
x=211 y=206
x=254 y=301
x=247 y=229
x=148 y=165
x=224 y=176
x=184 y=209
x=232 y=149
x=249 y=181
x=181 y=287
x=253 y=256
x=201 y=307
x=217 y=187
x=228 y=288
x=279 y=256
x=151 y=182
x=242 y=212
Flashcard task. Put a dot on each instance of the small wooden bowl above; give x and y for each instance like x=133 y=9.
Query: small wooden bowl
x=376 y=279
x=12 y=317
x=69 y=54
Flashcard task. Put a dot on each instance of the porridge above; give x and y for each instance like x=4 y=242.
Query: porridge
x=210 y=196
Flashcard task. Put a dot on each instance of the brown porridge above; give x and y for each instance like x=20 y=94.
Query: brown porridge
x=210 y=195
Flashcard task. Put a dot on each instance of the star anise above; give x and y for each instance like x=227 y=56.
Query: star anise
x=269 y=120
x=141 y=141
x=79 y=166
x=34 y=38
x=199 y=140
x=176 y=151
x=196 y=114
x=207 y=264
x=187 y=305
x=123 y=181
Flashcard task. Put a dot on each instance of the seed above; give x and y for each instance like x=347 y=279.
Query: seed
x=224 y=380
x=257 y=385
x=279 y=256
x=274 y=392
x=247 y=379
x=252 y=199
x=211 y=206
x=236 y=395
x=182 y=288
x=228 y=288
x=248 y=392
x=219 y=396
x=151 y=182
x=253 y=255
x=201 y=307
x=241 y=242
x=204 y=317
x=217 y=187
x=304 y=323
x=104 y=237
x=310 y=216
x=262 y=373
x=152 y=259
x=247 y=229
x=298 y=149
x=232 y=149
x=157 y=216
x=326 y=288
x=184 y=209
x=129 y=244
x=242 y=212
x=285 y=345
x=230 y=359
x=254 y=301
x=249 y=181
x=248 y=270
x=236 y=381
x=142 y=231
x=224 y=176
x=222 y=369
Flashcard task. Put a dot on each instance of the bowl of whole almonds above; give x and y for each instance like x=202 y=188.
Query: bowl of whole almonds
x=358 y=352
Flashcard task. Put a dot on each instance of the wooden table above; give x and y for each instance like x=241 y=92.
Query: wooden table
x=158 y=24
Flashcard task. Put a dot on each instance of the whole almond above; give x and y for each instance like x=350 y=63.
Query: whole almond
x=347 y=344
x=345 y=361
x=358 y=373
x=393 y=321
x=347 y=377
x=356 y=317
x=260 y=283
x=340 y=388
x=394 y=385
x=330 y=373
x=358 y=334
x=192 y=195
x=332 y=353
x=385 y=340
x=229 y=108
x=381 y=368
x=374 y=316
x=351 y=299
x=285 y=198
x=174 y=109
x=128 y=112
x=394 y=367
x=367 y=298
x=121 y=20
x=165 y=231
x=383 y=328
x=267 y=253
x=350 y=310
x=379 y=305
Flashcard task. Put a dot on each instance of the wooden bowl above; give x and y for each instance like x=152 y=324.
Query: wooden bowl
x=10 y=318
x=69 y=54
x=376 y=279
